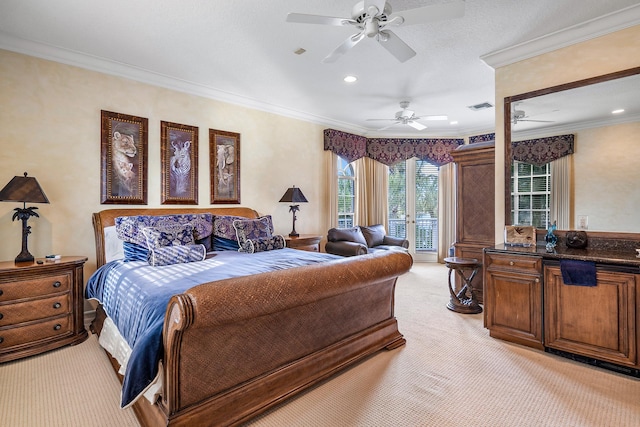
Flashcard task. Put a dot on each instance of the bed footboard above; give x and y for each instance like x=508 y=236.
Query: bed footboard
x=237 y=347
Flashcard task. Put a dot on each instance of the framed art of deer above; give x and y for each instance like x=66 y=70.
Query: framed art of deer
x=179 y=163
x=224 y=154
x=123 y=157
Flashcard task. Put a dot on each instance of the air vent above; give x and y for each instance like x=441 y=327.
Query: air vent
x=481 y=106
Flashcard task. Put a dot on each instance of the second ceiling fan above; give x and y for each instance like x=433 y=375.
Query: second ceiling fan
x=408 y=117
x=372 y=18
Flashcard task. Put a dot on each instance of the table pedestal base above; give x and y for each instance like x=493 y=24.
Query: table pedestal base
x=463 y=301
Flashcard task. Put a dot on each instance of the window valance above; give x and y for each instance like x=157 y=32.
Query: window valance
x=541 y=151
x=390 y=150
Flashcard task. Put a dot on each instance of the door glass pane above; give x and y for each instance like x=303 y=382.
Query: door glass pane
x=426 y=197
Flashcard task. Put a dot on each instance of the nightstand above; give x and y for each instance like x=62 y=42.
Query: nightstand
x=41 y=306
x=304 y=242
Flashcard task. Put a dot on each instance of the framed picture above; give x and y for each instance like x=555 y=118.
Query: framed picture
x=224 y=153
x=179 y=163
x=123 y=175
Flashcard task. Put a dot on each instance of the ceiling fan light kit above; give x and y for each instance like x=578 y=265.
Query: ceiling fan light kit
x=372 y=19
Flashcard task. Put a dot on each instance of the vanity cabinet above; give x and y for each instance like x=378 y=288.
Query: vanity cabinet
x=598 y=322
x=513 y=298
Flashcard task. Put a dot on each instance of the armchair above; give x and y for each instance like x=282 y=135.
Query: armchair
x=360 y=240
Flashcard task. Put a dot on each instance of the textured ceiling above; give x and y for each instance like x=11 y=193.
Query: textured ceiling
x=243 y=52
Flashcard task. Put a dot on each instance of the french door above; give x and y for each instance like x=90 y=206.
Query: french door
x=413 y=207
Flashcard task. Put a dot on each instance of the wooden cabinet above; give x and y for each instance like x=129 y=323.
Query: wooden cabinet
x=513 y=298
x=304 y=242
x=475 y=197
x=41 y=306
x=598 y=321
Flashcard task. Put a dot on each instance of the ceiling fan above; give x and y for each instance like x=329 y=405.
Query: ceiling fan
x=372 y=19
x=520 y=116
x=408 y=117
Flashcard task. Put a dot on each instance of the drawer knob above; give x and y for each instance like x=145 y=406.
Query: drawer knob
x=57 y=305
x=57 y=284
x=537 y=280
x=57 y=327
x=511 y=263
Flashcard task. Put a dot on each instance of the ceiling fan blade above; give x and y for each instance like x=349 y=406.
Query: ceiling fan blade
x=302 y=18
x=381 y=120
x=416 y=125
x=435 y=12
x=432 y=117
x=396 y=46
x=344 y=47
x=387 y=127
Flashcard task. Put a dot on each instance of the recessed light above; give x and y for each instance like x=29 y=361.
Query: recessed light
x=453 y=122
x=618 y=111
x=350 y=79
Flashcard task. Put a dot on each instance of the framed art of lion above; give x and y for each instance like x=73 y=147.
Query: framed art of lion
x=123 y=156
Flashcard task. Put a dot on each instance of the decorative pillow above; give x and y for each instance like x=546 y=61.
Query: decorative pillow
x=374 y=234
x=133 y=252
x=251 y=229
x=170 y=255
x=176 y=235
x=262 y=244
x=206 y=242
x=222 y=244
x=129 y=228
x=223 y=226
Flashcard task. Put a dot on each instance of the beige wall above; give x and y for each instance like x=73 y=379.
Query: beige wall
x=50 y=128
x=602 y=55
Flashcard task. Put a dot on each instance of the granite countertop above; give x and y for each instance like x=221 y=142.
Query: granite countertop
x=597 y=254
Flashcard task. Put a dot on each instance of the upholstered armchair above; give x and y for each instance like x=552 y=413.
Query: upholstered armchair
x=360 y=240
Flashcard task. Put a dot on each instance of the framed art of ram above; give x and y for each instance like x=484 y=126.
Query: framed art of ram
x=224 y=153
x=179 y=163
x=123 y=157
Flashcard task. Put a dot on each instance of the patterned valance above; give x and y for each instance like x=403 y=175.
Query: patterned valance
x=487 y=137
x=541 y=151
x=346 y=145
x=390 y=150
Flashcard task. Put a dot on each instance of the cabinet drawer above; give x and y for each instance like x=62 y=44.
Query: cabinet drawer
x=523 y=264
x=15 y=336
x=34 y=287
x=11 y=314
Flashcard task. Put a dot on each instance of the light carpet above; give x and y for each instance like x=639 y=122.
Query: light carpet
x=450 y=373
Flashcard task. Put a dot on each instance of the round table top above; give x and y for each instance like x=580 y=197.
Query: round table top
x=461 y=262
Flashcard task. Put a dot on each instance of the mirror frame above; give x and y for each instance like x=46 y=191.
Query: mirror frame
x=539 y=92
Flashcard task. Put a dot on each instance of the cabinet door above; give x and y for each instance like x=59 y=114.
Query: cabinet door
x=513 y=299
x=597 y=321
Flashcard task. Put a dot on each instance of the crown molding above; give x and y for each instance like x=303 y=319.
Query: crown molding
x=606 y=24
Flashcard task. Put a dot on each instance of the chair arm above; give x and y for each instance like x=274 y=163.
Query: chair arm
x=395 y=241
x=345 y=248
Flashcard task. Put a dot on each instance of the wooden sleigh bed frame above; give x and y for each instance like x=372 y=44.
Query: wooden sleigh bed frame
x=345 y=305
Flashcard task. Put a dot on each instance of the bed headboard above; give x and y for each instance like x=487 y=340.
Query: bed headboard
x=106 y=218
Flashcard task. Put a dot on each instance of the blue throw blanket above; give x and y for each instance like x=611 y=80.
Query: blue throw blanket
x=135 y=296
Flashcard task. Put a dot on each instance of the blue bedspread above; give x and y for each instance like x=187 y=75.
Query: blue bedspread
x=135 y=296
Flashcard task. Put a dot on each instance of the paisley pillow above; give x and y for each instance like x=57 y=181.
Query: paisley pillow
x=170 y=255
x=177 y=235
x=247 y=229
x=262 y=244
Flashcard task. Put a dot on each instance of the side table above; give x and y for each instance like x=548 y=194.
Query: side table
x=304 y=242
x=463 y=301
x=41 y=306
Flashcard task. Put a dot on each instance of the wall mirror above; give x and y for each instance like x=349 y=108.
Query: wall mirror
x=604 y=189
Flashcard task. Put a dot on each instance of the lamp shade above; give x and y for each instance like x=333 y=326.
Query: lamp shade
x=293 y=195
x=23 y=189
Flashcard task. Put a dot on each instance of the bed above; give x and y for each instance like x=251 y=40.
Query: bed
x=232 y=345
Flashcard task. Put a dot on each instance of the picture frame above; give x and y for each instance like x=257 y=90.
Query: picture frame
x=123 y=158
x=179 y=163
x=224 y=156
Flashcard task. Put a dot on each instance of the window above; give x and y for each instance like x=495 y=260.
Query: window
x=346 y=193
x=397 y=200
x=530 y=194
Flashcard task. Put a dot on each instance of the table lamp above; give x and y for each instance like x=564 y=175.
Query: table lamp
x=294 y=195
x=26 y=190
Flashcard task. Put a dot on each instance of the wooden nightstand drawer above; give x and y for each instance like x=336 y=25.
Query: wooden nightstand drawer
x=11 y=314
x=35 y=287
x=34 y=332
x=304 y=242
x=523 y=264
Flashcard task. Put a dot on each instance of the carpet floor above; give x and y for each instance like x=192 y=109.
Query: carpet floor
x=449 y=374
